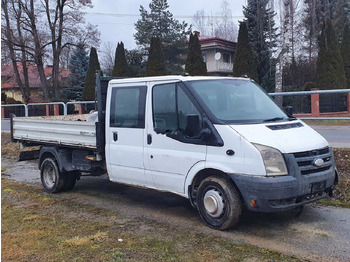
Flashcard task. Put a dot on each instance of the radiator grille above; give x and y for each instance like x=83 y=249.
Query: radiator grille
x=306 y=161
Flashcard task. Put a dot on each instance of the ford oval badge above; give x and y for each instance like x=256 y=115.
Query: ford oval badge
x=318 y=162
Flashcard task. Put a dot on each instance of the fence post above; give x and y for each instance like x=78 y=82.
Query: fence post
x=47 y=107
x=80 y=108
x=65 y=109
x=26 y=111
x=56 y=110
x=2 y=110
x=315 y=104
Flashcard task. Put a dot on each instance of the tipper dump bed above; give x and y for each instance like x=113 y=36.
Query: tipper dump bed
x=70 y=130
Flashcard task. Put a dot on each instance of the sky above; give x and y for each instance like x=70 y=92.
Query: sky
x=116 y=18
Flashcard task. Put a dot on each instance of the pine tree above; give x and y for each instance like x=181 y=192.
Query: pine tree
x=121 y=67
x=330 y=68
x=244 y=60
x=159 y=22
x=136 y=61
x=262 y=35
x=340 y=17
x=345 y=51
x=78 y=66
x=195 y=64
x=155 y=63
x=90 y=80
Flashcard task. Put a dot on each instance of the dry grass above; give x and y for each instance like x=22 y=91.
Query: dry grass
x=81 y=241
x=9 y=149
x=63 y=230
x=342 y=191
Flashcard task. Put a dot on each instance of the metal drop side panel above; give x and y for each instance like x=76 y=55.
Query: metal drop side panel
x=56 y=132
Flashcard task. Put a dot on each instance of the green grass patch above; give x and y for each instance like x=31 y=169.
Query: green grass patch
x=335 y=203
x=322 y=235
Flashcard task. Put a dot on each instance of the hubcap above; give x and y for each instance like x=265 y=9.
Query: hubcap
x=214 y=203
x=49 y=176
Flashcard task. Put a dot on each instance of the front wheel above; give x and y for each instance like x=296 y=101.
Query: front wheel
x=219 y=203
x=52 y=179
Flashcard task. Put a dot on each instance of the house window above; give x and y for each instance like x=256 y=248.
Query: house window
x=227 y=58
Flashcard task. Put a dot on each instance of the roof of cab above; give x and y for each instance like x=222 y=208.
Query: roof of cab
x=169 y=78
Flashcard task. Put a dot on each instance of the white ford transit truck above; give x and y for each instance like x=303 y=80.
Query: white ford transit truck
x=221 y=142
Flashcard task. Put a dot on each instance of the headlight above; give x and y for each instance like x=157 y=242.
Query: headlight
x=273 y=161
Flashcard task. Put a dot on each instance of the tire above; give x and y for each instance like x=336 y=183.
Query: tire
x=219 y=204
x=52 y=179
x=71 y=179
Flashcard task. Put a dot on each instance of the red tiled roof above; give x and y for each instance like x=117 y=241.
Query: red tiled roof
x=8 y=79
x=211 y=38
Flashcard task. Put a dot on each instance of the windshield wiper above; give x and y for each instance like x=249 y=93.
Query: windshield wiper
x=273 y=119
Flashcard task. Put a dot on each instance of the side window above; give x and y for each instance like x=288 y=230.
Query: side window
x=171 y=105
x=128 y=107
x=164 y=107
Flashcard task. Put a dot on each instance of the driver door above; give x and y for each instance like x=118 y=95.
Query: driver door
x=169 y=156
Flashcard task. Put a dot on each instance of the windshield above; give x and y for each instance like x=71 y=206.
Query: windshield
x=237 y=101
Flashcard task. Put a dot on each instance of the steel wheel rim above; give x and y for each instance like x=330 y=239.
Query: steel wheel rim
x=49 y=176
x=214 y=203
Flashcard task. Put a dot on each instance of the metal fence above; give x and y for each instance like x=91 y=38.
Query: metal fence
x=46 y=109
x=307 y=105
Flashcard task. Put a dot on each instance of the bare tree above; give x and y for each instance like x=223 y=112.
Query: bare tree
x=107 y=57
x=38 y=50
x=13 y=40
x=63 y=18
x=35 y=30
x=226 y=28
x=200 y=22
x=220 y=25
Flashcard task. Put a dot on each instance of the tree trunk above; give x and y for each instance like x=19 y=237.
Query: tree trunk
x=23 y=50
x=38 y=50
x=10 y=43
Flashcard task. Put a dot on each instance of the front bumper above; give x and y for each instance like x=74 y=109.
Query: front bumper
x=275 y=194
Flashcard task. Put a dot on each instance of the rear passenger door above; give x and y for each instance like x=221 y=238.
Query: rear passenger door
x=125 y=133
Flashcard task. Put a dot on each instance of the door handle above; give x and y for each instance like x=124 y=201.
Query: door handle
x=149 y=139
x=115 y=136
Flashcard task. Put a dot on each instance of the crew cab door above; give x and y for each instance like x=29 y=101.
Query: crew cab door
x=125 y=133
x=170 y=151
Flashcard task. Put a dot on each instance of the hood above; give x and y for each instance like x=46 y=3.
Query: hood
x=287 y=137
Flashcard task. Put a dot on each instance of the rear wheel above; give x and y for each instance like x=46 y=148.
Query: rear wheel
x=52 y=179
x=219 y=203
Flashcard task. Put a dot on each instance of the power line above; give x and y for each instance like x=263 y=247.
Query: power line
x=175 y=16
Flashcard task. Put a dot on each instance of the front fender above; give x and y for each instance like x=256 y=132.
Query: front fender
x=202 y=166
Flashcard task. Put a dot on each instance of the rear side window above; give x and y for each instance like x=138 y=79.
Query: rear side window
x=128 y=107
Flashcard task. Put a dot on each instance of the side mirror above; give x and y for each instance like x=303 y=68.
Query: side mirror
x=193 y=127
x=289 y=111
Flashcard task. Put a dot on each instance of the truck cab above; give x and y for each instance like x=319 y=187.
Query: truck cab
x=221 y=142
